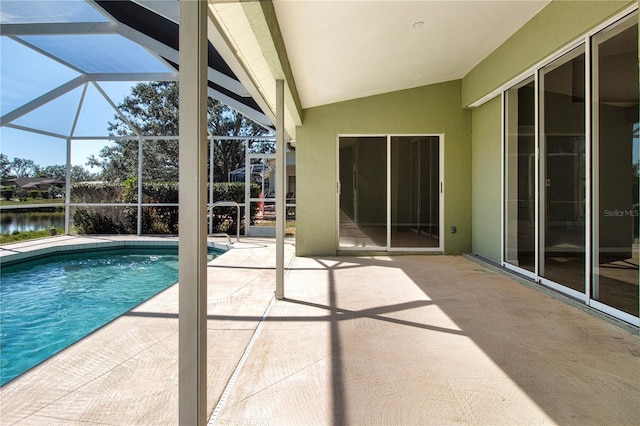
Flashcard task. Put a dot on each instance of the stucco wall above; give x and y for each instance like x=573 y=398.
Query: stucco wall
x=486 y=176
x=472 y=174
x=558 y=24
x=431 y=109
x=554 y=27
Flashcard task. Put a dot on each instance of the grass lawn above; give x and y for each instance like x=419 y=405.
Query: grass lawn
x=28 y=235
x=30 y=201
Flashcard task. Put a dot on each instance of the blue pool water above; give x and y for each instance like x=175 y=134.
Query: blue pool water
x=49 y=303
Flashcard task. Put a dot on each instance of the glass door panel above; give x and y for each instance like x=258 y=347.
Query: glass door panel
x=415 y=191
x=520 y=177
x=562 y=182
x=616 y=149
x=363 y=192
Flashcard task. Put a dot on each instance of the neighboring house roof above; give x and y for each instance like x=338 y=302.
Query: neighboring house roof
x=33 y=183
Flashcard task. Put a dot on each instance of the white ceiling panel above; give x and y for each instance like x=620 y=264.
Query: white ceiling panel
x=342 y=50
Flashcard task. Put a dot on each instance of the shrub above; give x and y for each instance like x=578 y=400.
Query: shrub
x=103 y=192
x=98 y=221
x=7 y=192
x=159 y=220
x=224 y=218
x=160 y=192
x=155 y=219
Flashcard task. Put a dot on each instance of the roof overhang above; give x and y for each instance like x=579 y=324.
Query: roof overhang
x=333 y=51
x=247 y=36
x=155 y=25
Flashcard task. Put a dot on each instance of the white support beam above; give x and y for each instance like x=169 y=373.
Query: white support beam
x=67 y=189
x=168 y=9
x=140 y=170
x=58 y=28
x=123 y=117
x=38 y=102
x=45 y=53
x=227 y=82
x=247 y=188
x=211 y=145
x=149 y=43
x=192 y=276
x=133 y=76
x=78 y=109
x=281 y=173
x=36 y=131
x=225 y=48
x=242 y=34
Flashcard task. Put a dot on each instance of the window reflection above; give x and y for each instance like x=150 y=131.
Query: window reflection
x=615 y=278
x=520 y=177
x=363 y=194
x=415 y=196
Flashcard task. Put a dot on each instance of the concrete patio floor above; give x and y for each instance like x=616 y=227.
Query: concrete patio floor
x=359 y=340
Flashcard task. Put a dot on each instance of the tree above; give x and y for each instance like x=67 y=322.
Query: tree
x=152 y=108
x=22 y=167
x=5 y=166
x=229 y=154
x=54 y=172
x=78 y=173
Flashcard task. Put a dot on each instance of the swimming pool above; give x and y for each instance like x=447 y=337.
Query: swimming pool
x=48 y=303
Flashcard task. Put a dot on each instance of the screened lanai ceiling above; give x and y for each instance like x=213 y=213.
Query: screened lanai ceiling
x=59 y=59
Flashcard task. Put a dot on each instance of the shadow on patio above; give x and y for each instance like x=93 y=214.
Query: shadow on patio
x=430 y=340
x=359 y=340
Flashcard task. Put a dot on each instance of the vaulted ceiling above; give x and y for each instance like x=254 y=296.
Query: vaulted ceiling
x=342 y=50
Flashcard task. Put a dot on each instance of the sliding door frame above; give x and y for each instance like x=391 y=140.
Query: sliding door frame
x=591 y=169
x=388 y=206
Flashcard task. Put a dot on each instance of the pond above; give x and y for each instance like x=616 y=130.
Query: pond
x=11 y=221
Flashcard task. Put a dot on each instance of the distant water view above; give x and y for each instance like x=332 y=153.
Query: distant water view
x=29 y=221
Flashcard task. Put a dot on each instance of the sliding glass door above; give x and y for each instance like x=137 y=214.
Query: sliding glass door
x=616 y=167
x=363 y=192
x=415 y=195
x=571 y=172
x=520 y=177
x=562 y=170
x=390 y=196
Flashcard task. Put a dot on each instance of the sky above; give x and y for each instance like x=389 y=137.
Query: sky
x=46 y=150
x=57 y=117
x=26 y=74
